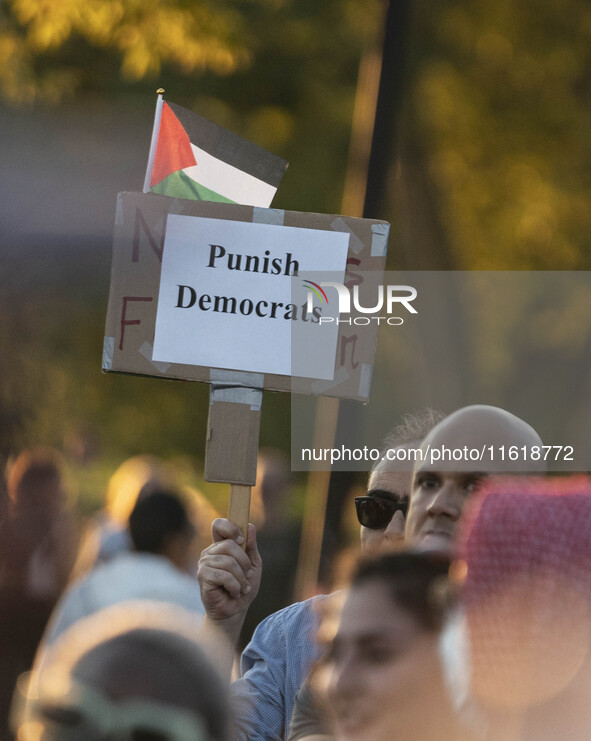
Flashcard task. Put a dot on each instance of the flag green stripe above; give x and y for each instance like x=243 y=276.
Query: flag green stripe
x=180 y=185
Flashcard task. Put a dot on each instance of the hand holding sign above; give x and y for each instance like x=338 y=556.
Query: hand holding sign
x=229 y=576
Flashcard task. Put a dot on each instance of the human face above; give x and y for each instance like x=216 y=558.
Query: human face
x=436 y=503
x=439 y=489
x=382 y=669
x=387 y=483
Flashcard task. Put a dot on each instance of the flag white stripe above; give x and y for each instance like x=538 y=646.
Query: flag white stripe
x=229 y=181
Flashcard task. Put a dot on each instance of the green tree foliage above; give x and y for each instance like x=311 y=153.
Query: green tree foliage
x=281 y=72
x=500 y=101
x=46 y=45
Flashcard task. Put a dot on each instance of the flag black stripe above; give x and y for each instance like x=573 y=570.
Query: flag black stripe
x=231 y=148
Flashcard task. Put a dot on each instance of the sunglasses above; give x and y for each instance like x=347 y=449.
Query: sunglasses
x=376 y=512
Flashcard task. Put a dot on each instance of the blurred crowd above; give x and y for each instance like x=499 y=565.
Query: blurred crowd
x=466 y=617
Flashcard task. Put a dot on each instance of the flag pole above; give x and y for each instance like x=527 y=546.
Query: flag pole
x=154 y=142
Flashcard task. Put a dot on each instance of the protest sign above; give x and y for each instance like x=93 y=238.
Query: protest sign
x=220 y=293
x=158 y=275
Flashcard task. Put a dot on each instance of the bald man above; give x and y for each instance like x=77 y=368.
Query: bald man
x=441 y=484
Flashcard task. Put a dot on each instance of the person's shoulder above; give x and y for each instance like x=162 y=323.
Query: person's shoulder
x=296 y=618
x=284 y=644
x=112 y=542
x=298 y=610
x=123 y=569
x=135 y=571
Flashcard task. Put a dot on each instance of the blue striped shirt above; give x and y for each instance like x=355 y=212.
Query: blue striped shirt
x=274 y=665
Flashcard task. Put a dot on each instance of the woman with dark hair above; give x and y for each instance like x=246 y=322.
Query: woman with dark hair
x=385 y=679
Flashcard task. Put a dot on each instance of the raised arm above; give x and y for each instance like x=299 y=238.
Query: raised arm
x=229 y=577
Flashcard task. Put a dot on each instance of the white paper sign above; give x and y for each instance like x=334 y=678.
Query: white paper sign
x=231 y=297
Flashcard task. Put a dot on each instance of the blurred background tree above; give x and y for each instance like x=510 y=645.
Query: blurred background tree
x=491 y=167
x=499 y=107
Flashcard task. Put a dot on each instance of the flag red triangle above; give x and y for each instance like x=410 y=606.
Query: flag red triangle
x=173 y=151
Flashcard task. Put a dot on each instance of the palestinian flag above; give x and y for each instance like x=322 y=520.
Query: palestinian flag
x=197 y=159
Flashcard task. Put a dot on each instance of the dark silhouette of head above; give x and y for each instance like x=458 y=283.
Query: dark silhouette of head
x=133 y=671
x=159 y=524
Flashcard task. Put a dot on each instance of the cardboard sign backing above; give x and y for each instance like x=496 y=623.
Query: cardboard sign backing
x=138 y=248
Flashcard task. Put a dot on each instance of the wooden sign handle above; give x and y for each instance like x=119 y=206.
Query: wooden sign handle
x=239 y=508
